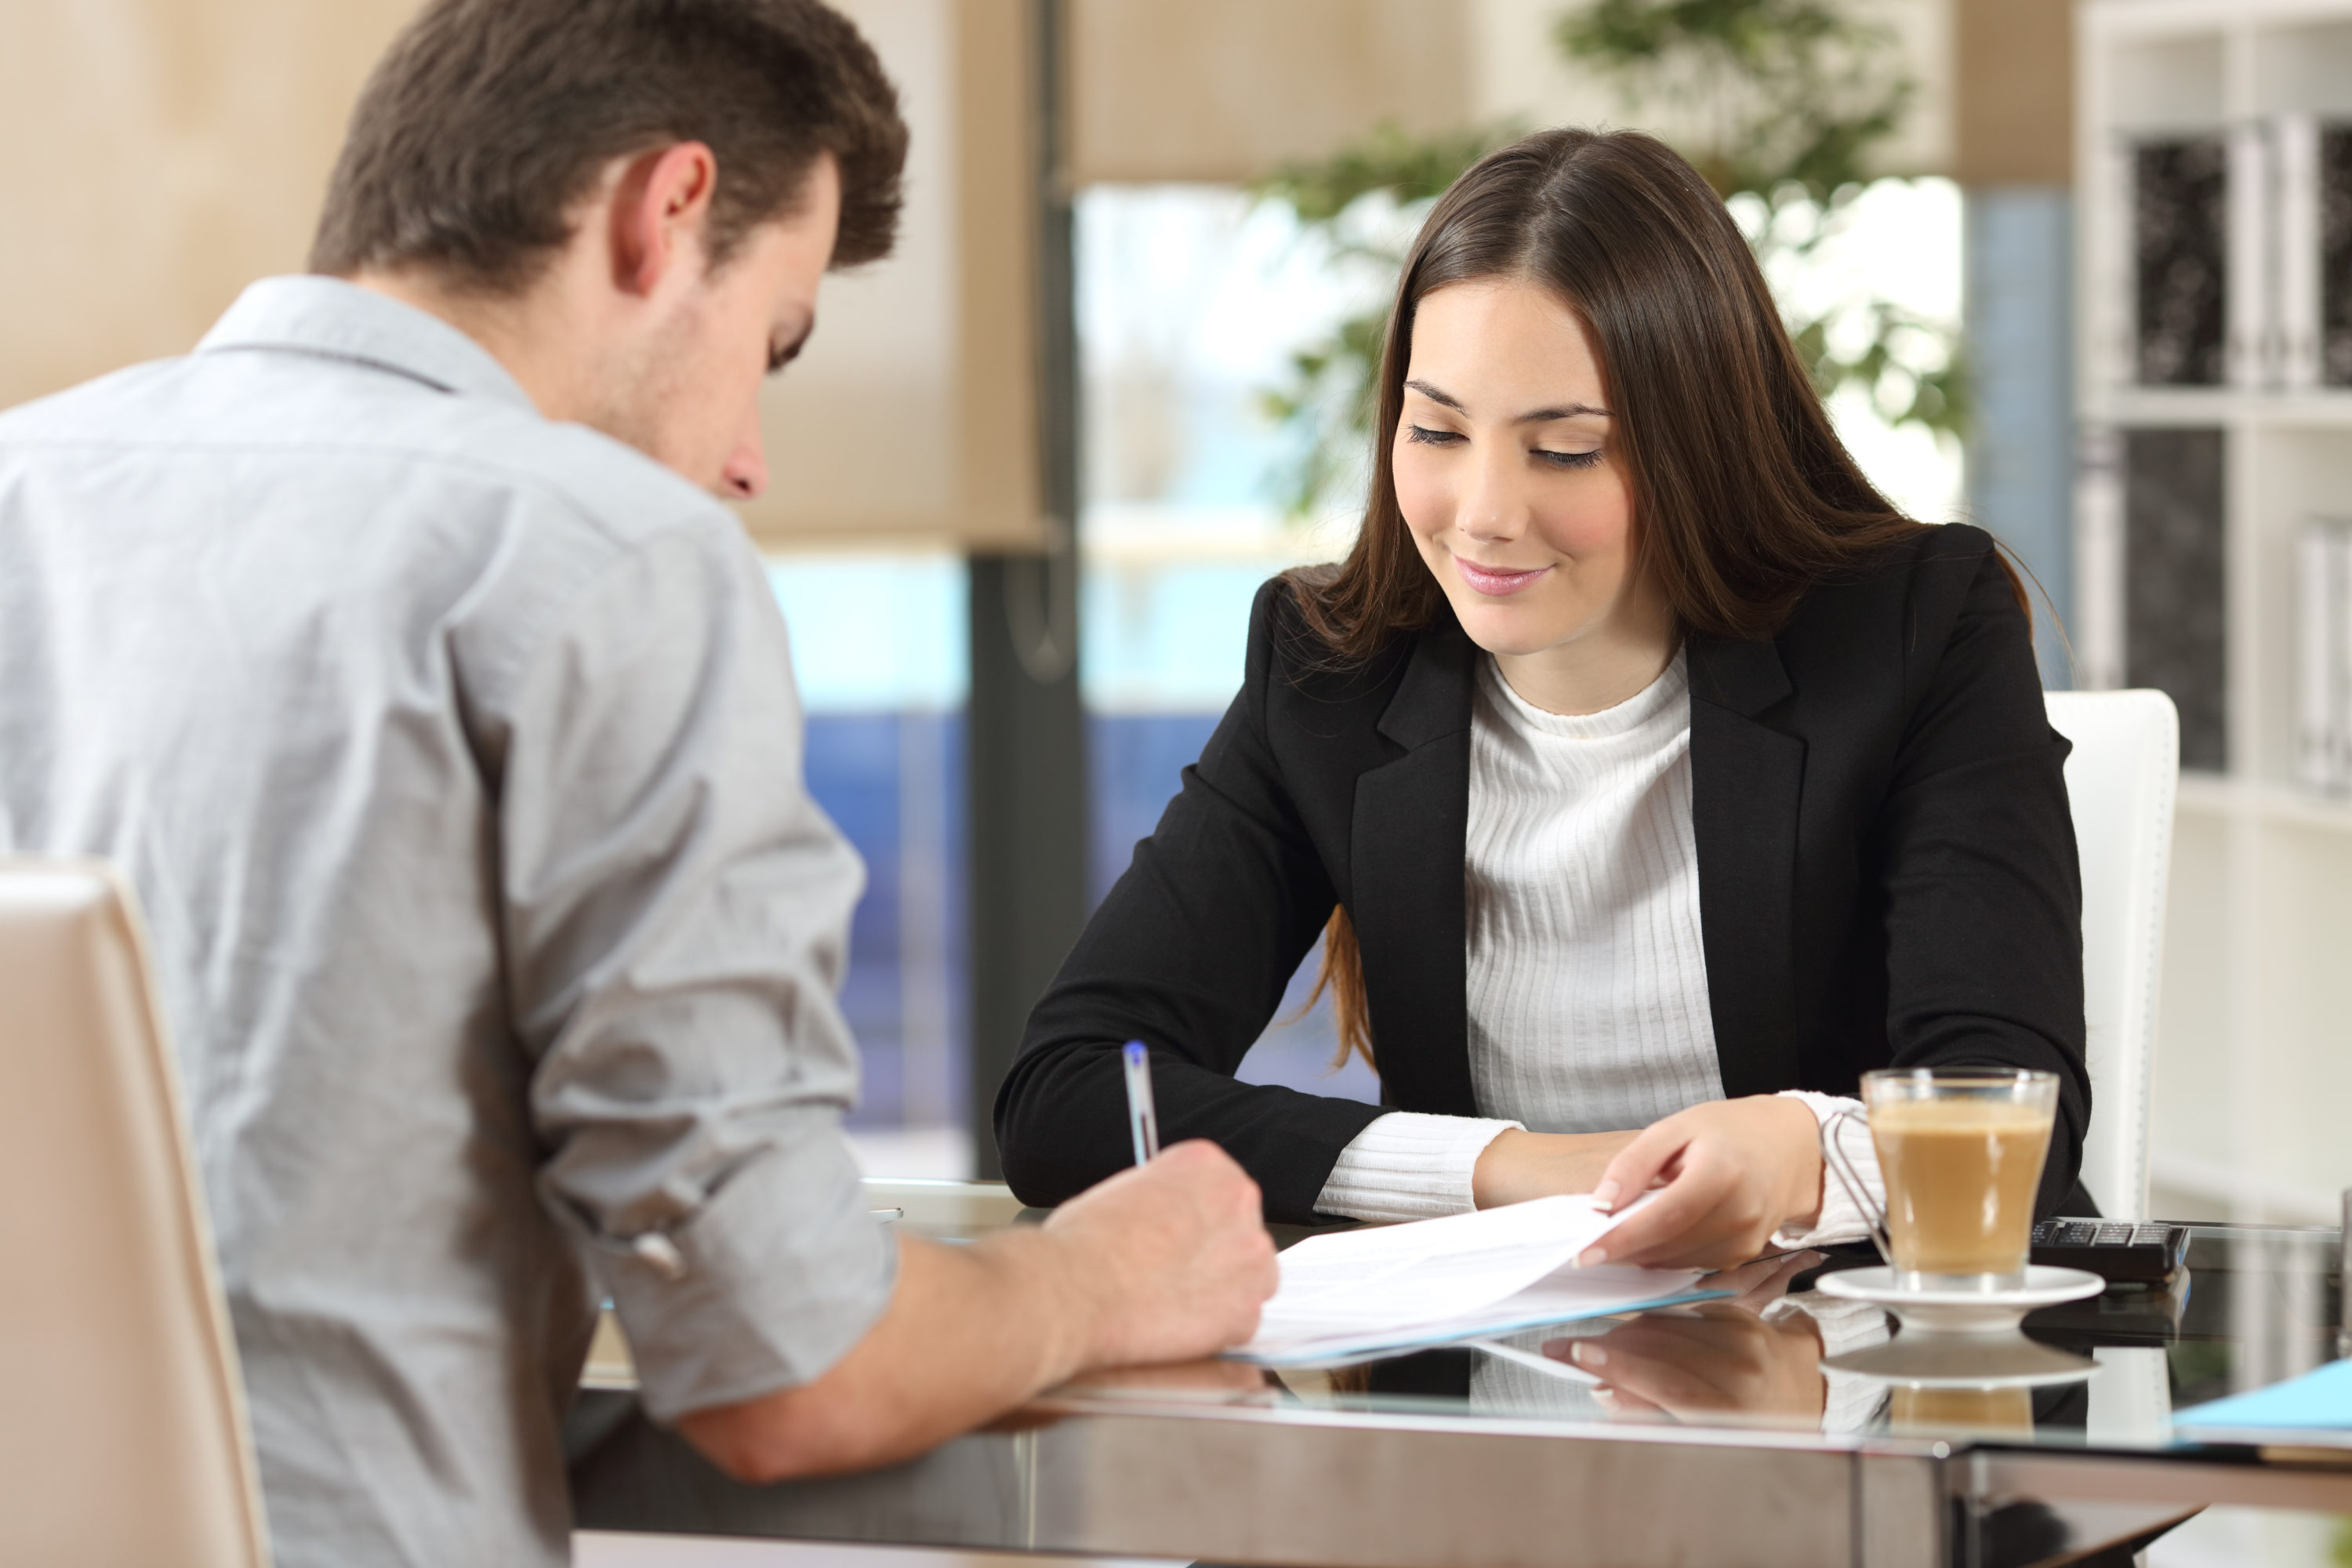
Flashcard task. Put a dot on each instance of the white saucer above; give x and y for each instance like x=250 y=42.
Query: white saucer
x=1962 y=1311
x=1963 y=1361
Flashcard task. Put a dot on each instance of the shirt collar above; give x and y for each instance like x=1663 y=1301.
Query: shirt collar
x=328 y=316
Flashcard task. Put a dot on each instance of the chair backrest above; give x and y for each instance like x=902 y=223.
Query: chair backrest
x=122 y=1423
x=2120 y=781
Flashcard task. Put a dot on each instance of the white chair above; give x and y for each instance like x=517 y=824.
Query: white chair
x=122 y=1423
x=2120 y=781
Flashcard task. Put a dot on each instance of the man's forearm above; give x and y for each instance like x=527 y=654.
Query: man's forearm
x=969 y=1331
x=1164 y=1262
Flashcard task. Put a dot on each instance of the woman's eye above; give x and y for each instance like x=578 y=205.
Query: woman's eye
x=1429 y=437
x=1569 y=459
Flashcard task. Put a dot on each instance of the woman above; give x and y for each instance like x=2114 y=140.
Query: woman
x=1652 y=775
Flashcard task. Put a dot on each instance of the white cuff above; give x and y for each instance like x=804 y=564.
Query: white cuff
x=1407 y=1165
x=1841 y=1218
x=1851 y=1404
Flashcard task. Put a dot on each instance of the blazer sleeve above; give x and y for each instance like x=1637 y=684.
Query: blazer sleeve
x=1190 y=954
x=1984 y=912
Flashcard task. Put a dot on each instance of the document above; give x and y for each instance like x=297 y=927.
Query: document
x=1386 y=1288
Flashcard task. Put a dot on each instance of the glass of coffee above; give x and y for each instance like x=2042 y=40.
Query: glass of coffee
x=1984 y=1409
x=1961 y=1150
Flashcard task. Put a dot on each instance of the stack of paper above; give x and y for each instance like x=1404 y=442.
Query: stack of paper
x=2317 y=1403
x=1390 y=1288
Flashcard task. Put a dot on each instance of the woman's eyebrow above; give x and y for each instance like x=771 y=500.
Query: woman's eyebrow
x=1534 y=416
x=1435 y=396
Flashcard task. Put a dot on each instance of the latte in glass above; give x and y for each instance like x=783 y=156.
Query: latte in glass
x=1961 y=1152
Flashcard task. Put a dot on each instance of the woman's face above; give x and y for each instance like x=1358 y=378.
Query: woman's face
x=1507 y=470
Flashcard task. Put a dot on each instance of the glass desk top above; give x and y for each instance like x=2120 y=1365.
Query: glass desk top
x=2255 y=1305
x=1664 y=1435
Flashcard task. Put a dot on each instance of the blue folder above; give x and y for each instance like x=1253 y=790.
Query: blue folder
x=2319 y=1401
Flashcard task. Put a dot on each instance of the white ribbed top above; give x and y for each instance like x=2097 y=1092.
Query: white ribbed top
x=1581 y=850
x=1586 y=974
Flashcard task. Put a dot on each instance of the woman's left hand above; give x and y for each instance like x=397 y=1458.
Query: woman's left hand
x=1735 y=1172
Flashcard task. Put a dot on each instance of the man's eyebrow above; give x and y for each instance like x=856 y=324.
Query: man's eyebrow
x=782 y=355
x=1533 y=417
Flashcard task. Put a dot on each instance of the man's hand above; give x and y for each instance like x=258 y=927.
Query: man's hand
x=1735 y=1171
x=1166 y=1263
x=1174 y=1255
x=1518 y=1166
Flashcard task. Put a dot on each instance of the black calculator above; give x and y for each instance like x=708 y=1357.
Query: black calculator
x=2116 y=1250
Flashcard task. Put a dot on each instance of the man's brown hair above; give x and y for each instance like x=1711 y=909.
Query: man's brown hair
x=489 y=119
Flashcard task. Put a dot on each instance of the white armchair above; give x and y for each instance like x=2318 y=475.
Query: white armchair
x=122 y=1428
x=2120 y=782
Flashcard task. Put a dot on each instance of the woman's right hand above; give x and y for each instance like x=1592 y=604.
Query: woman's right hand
x=1519 y=1164
x=1713 y=1359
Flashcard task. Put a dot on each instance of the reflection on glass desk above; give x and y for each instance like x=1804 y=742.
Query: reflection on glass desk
x=1781 y=1426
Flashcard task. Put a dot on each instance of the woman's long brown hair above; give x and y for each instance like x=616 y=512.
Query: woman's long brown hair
x=1743 y=495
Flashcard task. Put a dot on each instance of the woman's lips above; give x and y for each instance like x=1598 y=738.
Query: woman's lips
x=1491 y=581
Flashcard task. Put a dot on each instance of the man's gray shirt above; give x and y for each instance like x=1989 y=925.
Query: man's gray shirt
x=456 y=756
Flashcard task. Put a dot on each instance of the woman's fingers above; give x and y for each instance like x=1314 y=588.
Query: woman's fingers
x=1659 y=1381
x=1639 y=1164
x=1765 y=1280
x=1730 y=1166
x=1677 y=1224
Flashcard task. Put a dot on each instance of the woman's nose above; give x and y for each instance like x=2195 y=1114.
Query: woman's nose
x=1493 y=504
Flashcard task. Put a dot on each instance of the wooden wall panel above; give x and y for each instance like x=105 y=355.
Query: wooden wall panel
x=155 y=156
x=912 y=417
x=1226 y=89
x=2014 y=107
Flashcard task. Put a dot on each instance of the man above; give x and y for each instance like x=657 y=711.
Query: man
x=391 y=644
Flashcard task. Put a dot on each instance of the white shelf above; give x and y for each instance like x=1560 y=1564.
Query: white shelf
x=2231 y=1187
x=2207 y=795
x=2241 y=408
x=2124 y=21
x=2253 y=1065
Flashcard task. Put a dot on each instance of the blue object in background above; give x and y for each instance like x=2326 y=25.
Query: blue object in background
x=894 y=783
x=2020 y=463
x=2319 y=1401
x=878 y=648
x=1137 y=762
x=1166 y=637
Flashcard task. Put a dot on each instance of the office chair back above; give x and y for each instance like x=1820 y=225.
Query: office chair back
x=2120 y=782
x=122 y=1423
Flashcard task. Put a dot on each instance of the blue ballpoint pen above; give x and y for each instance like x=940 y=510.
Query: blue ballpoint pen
x=1142 y=1118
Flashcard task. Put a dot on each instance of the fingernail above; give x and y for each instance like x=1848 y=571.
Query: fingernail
x=1605 y=1194
x=1592 y=1255
x=1584 y=1353
x=1603 y=1397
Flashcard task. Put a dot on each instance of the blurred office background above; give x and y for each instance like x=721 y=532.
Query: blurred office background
x=1033 y=467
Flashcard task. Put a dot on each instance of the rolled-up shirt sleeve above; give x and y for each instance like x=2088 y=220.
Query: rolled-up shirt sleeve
x=677 y=914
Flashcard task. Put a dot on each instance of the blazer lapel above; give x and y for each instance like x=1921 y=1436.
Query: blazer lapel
x=1411 y=823
x=1747 y=783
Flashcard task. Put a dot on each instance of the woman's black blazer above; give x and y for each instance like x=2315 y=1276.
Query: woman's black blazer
x=1886 y=875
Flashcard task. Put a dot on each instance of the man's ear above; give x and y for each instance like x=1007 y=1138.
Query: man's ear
x=659 y=205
